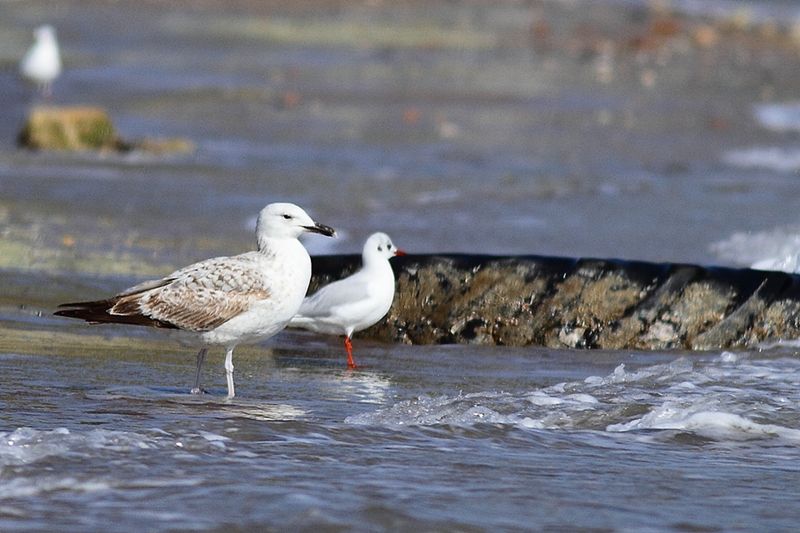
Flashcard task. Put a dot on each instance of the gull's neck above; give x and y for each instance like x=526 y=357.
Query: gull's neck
x=375 y=263
x=270 y=245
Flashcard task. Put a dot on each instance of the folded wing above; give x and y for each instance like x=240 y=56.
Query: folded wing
x=197 y=298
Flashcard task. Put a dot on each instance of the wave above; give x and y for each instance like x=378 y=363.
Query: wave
x=776 y=249
x=713 y=399
x=27 y=445
x=773 y=158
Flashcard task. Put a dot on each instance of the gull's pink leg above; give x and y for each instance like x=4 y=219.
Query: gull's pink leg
x=349 y=347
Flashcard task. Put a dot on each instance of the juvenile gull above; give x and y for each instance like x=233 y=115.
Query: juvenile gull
x=41 y=64
x=225 y=300
x=355 y=302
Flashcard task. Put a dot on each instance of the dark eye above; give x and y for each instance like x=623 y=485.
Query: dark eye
x=388 y=246
x=287 y=217
x=380 y=248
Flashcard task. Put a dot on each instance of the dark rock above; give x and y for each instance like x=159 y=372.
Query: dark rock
x=578 y=303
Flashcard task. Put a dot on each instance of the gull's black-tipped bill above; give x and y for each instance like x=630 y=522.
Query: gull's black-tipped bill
x=322 y=229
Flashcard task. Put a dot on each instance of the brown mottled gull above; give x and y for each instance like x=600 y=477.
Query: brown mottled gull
x=225 y=300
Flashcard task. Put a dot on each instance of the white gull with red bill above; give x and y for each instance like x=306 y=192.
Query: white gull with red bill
x=225 y=300
x=355 y=302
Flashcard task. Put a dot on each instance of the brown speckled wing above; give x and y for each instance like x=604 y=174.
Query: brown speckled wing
x=200 y=297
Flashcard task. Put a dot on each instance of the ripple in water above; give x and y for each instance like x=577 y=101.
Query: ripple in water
x=729 y=398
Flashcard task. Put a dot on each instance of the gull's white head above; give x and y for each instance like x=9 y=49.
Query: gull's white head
x=44 y=32
x=379 y=247
x=287 y=221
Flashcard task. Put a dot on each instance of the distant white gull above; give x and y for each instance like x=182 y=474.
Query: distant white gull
x=225 y=300
x=355 y=302
x=41 y=65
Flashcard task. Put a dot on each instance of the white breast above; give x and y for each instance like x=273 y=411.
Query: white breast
x=287 y=271
x=351 y=304
x=42 y=63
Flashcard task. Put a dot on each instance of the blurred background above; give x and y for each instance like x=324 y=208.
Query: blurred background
x=664 y=131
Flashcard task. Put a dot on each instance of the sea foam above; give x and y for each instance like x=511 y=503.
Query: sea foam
x=775 y=249
x=729 y=397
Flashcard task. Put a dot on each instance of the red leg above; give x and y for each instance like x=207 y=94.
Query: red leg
x=349 y=347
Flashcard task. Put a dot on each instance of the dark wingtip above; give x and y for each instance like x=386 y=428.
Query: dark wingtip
x=74 y=305
x=99 y=315
x=93 y=305
x=81 y=314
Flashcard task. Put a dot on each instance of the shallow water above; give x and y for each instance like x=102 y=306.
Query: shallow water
x=452 y=131
x=433 y=438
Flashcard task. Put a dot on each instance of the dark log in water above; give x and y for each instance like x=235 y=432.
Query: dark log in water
x=578 y=303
